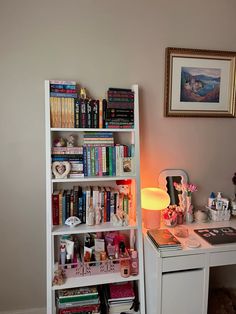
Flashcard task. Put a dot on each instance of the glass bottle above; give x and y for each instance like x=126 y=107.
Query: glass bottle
x=124 y=261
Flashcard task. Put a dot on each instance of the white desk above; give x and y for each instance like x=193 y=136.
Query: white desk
x=177 y=282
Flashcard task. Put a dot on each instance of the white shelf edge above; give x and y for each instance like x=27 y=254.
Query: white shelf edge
x=83 y=228
x=90 y=130
x=74 y=282
x=89 y=179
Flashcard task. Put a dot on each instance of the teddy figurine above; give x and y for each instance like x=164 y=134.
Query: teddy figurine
x=59 y=142
x=70 y=141
x=59 y=277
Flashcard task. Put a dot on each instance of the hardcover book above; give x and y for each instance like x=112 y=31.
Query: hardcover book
x=121 y=291
x=77 y=294
x=164 y=239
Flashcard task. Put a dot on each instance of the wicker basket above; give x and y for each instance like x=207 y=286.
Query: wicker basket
x=219 y=215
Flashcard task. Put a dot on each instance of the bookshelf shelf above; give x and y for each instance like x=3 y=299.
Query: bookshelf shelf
x=93 y=280
x=74 y=130
x=129 y=139
x=108 y=226
x=93 y=179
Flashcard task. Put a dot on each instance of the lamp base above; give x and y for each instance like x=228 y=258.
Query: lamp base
x=151 y=219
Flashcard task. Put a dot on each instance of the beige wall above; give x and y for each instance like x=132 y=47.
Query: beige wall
x=99 y=43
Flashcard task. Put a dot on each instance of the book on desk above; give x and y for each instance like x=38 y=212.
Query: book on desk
x=164 y=240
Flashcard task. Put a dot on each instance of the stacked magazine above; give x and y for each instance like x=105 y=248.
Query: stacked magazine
x=164 y=240
x=120 y=297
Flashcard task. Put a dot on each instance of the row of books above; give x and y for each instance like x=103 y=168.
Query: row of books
x=78 y=201
x=113 y=298
x=94 y=160
x=84 y=300
x=69 y=110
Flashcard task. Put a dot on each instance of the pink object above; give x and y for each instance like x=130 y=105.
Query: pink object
x=134 y=263
x=151 y=219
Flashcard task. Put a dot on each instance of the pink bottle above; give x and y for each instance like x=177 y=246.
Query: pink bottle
x=134 y=263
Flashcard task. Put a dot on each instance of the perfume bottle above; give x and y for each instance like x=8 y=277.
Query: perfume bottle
x=124 y=261
x=91 y=215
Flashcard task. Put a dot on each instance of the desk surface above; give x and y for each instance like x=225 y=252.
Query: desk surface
x=205 y=247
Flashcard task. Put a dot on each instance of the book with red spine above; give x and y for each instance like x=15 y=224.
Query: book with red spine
x=55 y=208
x=93 y=308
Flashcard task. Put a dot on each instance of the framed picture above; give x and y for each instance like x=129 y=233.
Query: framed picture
x=199 y=83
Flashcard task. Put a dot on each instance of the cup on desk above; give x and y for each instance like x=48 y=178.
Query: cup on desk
x=201 y=216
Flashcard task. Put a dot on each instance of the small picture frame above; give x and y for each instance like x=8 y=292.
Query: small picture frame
x=127 y=165
x=199 y=83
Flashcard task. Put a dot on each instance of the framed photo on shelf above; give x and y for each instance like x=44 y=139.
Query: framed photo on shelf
x=199 y=83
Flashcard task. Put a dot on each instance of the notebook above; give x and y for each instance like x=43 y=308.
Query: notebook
x=216 y=236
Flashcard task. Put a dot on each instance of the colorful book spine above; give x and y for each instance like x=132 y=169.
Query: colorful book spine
x=60 y=82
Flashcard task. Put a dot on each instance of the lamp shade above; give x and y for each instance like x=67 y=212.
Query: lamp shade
x=153 y=200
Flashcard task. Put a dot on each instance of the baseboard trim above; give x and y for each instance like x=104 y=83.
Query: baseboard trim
x=26 y=311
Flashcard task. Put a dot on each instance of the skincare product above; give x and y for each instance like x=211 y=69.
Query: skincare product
x=219 y=203
x=63 y=254
x=68 y=261
x=211 y=200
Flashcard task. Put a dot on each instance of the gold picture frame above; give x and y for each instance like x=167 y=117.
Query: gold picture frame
x=199 y=83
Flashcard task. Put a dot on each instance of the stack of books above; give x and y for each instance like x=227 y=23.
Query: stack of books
x=62 y=102
x=74 y=155
x=98 y=138
x=83 y=300
x=120 y=297
x=164 y=240
x=120 y=108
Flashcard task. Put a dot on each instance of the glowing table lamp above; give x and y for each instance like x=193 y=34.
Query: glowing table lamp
x=153 y=201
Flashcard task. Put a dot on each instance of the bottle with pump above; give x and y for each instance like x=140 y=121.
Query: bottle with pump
x=219 y=202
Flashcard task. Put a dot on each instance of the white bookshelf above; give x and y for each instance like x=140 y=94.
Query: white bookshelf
x=134 y=228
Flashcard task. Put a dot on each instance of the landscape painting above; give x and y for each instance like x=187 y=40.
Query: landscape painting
x=200 y=84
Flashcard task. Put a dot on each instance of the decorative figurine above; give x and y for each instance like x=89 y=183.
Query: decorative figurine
x=59 y=277
x=70 y=141
x=72 y=221
x=83 y=94
x=98 y=215
x=59 y=142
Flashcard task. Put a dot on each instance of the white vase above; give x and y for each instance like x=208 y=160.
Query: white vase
x=189 y=217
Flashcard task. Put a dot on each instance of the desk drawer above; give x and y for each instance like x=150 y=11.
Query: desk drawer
x=183 y=262
x=223 y=258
